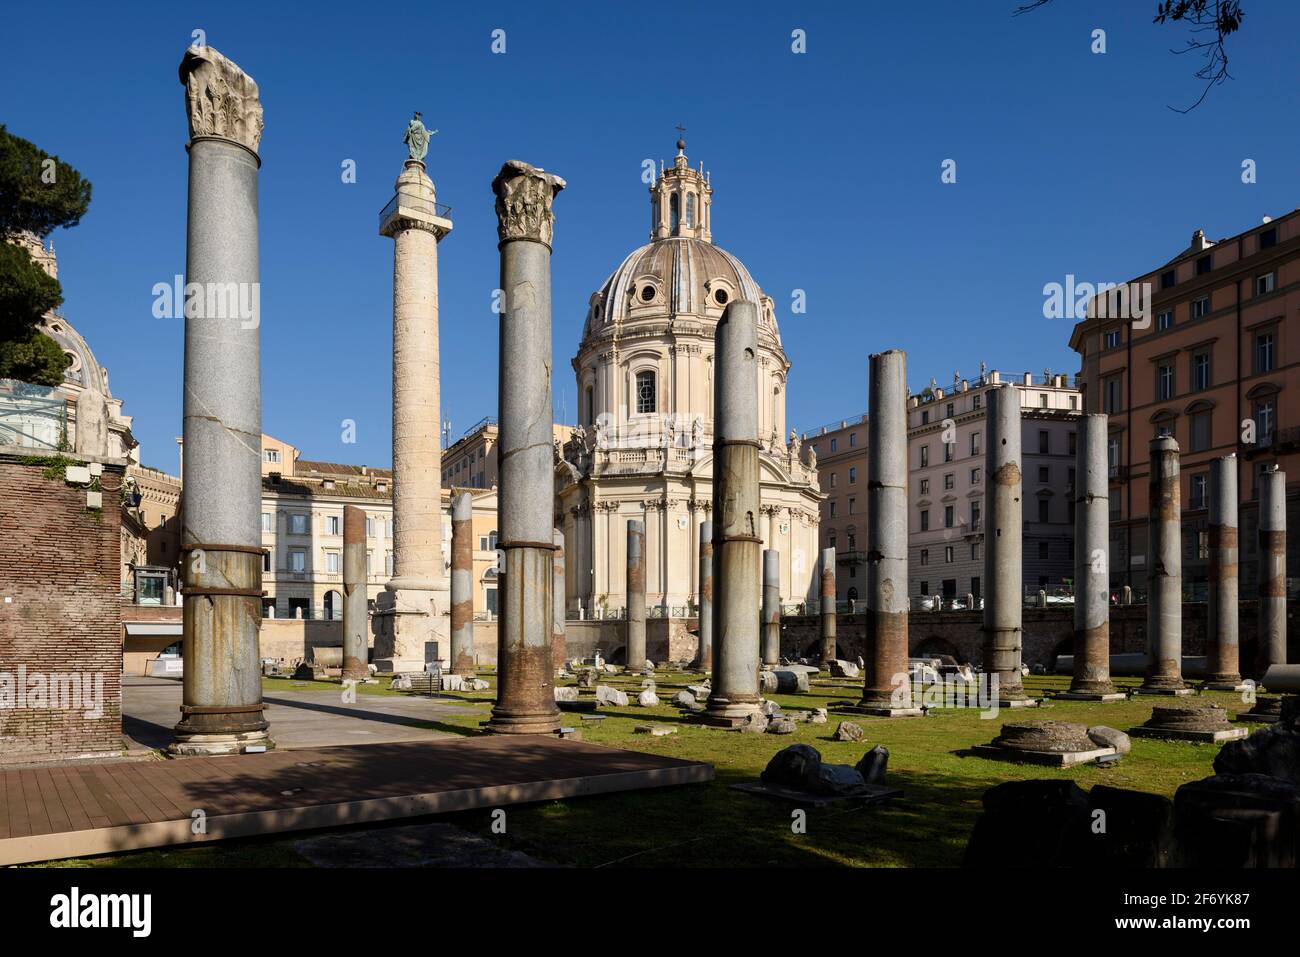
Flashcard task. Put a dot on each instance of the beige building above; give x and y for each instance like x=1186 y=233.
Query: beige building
x=643 y=448
x=471 y=461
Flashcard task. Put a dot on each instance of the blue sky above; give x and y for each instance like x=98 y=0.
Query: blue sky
x=826 y=169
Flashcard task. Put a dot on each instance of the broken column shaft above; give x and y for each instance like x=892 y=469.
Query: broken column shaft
x=526 y=486
x=771 y=638
x=1165 y=574
x=704 y=659
x=1003 y=544
x=887 y=601
x=635 y=595
x=355 y=620
x=1223 y=663
x=1091 y=563
x=221 y=534
x=1272 y=569
x=462 y=585
x=558 y=637
x=827 y=606
x=737 y=545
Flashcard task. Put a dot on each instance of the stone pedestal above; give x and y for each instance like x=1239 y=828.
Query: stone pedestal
x=1054 y=743
x=1165 y=575
x=412 y=615
x=221 y=533
x=1189 y=723
x=526 y=489
x=737 y=543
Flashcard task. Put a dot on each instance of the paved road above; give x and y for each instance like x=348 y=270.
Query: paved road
x=312 y=719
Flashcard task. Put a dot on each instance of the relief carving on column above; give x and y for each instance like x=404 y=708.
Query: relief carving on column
x=524 y=195
x=220 y=98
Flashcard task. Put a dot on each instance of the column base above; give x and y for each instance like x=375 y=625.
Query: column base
x=1090 y=696
x=1177 y=692
x=881 y=710
x=211 y=744
x=539 y=722
x=412 y=627
x=727 y=713
x=1231 y=683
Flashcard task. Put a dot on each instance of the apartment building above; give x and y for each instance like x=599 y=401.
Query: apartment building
x=841 y=450
x=471 y=461
x=1216 y=364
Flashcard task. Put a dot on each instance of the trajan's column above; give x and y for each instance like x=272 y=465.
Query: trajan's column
x=412 y=613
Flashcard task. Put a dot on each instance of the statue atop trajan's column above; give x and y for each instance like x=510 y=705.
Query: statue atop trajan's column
x=417 y=138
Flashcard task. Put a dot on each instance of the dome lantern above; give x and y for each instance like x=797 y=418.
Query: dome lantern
x=680 y=200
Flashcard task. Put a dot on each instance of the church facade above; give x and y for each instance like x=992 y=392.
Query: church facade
x=643 y=446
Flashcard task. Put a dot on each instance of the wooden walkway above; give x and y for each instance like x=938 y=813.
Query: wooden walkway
x=78 y=810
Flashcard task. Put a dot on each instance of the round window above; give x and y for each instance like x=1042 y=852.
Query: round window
x=647 y=293
x=720 y=297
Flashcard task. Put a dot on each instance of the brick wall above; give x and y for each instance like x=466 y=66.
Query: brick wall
x=60 y=613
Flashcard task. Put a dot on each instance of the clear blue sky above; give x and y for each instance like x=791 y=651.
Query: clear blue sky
x=826 y=169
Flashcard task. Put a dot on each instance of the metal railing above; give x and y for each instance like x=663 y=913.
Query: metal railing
x=413 y=201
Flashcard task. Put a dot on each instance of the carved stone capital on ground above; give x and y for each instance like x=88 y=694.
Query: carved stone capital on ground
x=220 y=98
x=524 y=195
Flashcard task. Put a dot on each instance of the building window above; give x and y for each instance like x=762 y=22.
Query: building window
x=298 y=524
x=1044 y=442
x=949 y=480
x=925 y=456
x=1200 y=430
x=1200 y=371
x=297 y=560
x=974 y=443
x=1113 y=393
x=1042 y=510
x=975 y=476
x=1201 y=307
x=853 y=440
x=974 y=514
x=834 y=510
x=1165 y=381
x=851 y=540
x=925 y=486
x=1198 y=491
x=853 y=474
x=271 y=455
x=1268 y=238
x=1264 y=284
x=1043 y=551
x=1204 y=264
x=947 y=554
x=975 y=402
x=853 y=505
x=950 y=409
x=1111 y=339
x=925 y=556
x=268 y=522
x=925 y=416
x=1044 y=474
x=267 y=560
x=690 y=211
x=1164 y=320
x=1167 y=279
x=1042 y=400
x=332 y=524
x=645 y=392
x=1071 y=442
x=1264 y=421
x=370 y=527
x=1264 y=352
x=948 y=448
x=1112 y=455
x=974 y=551
x=925 y=519
x=947 y=516
x=332 y=563
x=591 y=409
x=925 y=589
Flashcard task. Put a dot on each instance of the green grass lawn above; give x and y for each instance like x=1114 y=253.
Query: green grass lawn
x=703 y=825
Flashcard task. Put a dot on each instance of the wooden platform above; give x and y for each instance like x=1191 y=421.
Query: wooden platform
x=75 y=811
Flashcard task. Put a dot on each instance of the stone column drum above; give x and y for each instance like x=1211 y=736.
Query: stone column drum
x=887 y=601
x=1223 y=663
x=826 y=607
x=462 y=585
x=221 y=533
x=1272 y=569
x=1091 y=681
x=771 y=637
x=1165 y=573
x=1003 y=545
x=412 y=613
x=356 y=623
x=704 y=659
x=737 y=544
x=635 y=580
x=526 y=486
x=559 y=640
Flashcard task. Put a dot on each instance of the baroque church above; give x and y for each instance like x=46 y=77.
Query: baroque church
x=643 y=446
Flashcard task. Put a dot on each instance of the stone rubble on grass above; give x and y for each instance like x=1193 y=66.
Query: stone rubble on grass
x=755 y=724
x=1105 y=737
x=648 y=698
x=844 y=669
x=684 y=699
x=648 y=683
x=699 y=691
x=819 y=716
x=800 y=767
x=611 y=669
x=566 y=693
x=848 y=731
x=780 y=725
x=587 y=679
x=401 y=683
x=771 y=708
x=453 y=683
x=873 y=765
x=478 y=684
x=607 y=695
x=658 y=731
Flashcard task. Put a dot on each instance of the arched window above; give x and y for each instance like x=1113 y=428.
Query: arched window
x=591 y=406
x=690 y=210
x=645 y=392
x=673 y=213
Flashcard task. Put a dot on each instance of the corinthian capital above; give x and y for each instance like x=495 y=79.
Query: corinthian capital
x=524 y=195
x=220 y=98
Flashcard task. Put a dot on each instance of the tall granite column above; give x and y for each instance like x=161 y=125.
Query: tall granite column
x=1091 y=680
x=704 y=659
x=1272 y=569
x=558 y=635
x=826 y=606
x=412 y=613
x=462 y=585
x=1165 y=573
x=526 y=486
x=1003 y=545
x=1223 y=662
x=355 y=621
x=771 y=608
x=635 y=595
x=887 y=602
x=221 y=533
x=737 y=544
